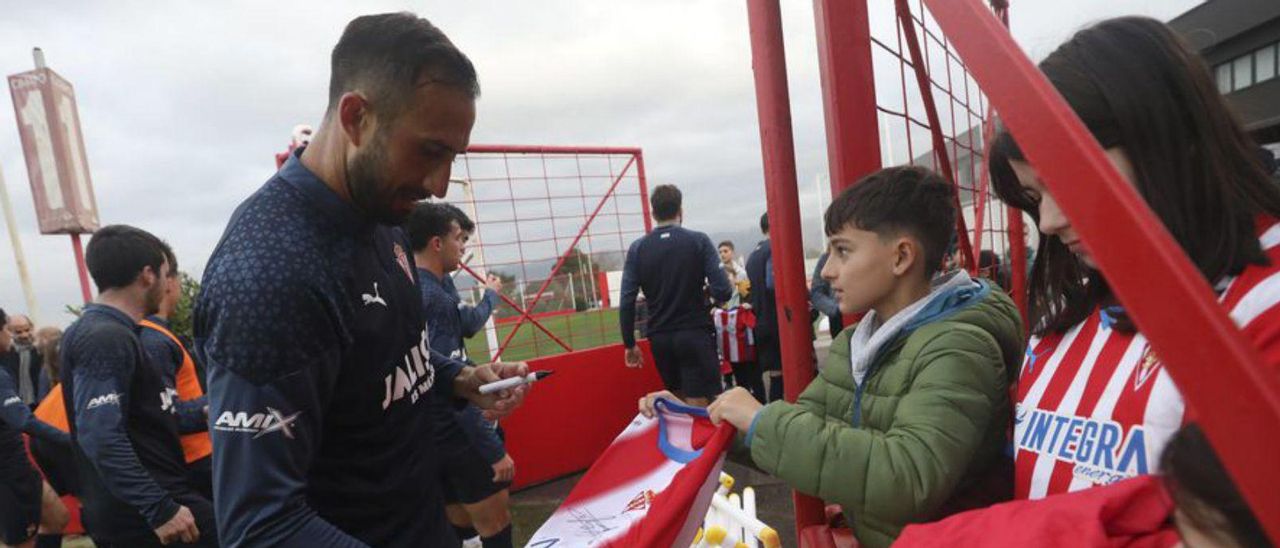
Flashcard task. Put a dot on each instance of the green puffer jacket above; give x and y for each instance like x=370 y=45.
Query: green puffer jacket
x=932 y=418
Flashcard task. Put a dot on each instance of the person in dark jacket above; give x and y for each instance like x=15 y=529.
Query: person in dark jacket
x=672 y=265
x=178 y=370
x=309 y=319
x=135 y=487
x=28 y=505
x=23 y=361
x=476 y=470
x=823 y=299
x=768 y=347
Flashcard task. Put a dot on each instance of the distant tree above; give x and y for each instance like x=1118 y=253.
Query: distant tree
x=180 y=322
x=577 y=262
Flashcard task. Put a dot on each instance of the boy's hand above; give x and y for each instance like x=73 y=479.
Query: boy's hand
x=646 y=403
x=737 y=407
x=499 y=404
x=633 y=358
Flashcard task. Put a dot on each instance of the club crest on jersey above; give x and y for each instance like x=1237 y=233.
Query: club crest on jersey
x=403 y=260
x=1148 y=365
x=640 y=502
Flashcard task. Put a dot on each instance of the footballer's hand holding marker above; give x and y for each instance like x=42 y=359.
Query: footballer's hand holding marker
x=513 y=382
x=495 y=405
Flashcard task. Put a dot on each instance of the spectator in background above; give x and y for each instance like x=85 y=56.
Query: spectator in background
x=28 y=505
x=178 y=371
x=991 y=268
x=47 y=339
x=734 y=268
x=760 y=274
x=672 y=265
x=23 y=362
x=55 y=459
x=475 y=469
x=823 y=298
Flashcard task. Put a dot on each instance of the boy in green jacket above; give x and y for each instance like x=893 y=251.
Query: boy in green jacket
x=911 y=406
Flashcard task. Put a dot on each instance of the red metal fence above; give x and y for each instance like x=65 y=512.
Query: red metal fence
x=553 y=223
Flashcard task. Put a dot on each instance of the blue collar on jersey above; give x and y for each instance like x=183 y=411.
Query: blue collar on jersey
x=672 y=452
x=1107 y=316
x=319 y=194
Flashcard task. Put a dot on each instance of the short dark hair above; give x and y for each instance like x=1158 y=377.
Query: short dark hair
x=464 y=222
x=391 y=54
x=764 y=222
x=1193 y=473
x=4 y=318
x=433 y=220
x=118 y=253
x=1137 y=85
x=899 y=200
x=666 y=202
x=725 y=243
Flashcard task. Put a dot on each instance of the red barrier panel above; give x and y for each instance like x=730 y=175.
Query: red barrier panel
x=570 y=418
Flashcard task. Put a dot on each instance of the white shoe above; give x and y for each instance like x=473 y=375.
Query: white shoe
x=473 y=542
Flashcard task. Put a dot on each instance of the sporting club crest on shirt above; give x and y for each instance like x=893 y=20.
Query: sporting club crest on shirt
x=640 y=502
x=1148 y=365
x=403 y=260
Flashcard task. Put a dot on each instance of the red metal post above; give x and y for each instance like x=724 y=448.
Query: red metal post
x=1017 y=235
x=1223 y=378
x=773 y=106
x=81 y=268
x=848 y=90
x=644 y=192
x=920 y=66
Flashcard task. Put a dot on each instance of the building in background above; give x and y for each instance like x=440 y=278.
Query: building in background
x=1240 y=40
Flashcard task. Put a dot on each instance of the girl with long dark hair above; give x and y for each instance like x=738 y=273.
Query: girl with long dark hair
x=1094 y=404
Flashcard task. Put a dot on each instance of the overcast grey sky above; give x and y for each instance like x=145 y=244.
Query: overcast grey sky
x=184 y=103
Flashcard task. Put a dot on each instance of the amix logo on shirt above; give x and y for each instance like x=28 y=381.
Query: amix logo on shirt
x=105 y=399
x=258 y=424
x=414 y=378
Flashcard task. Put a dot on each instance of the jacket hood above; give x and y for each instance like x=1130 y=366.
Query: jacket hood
x=954 y=297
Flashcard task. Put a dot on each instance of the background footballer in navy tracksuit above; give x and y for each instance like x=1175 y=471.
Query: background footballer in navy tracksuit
x=133 y=477
x=476 y=469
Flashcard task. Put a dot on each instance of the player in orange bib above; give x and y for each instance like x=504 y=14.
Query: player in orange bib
x=170 y=357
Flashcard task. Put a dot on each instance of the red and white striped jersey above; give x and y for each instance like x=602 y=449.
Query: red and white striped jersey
x=734 y=334
x=650 y=487
x=1094 y=404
